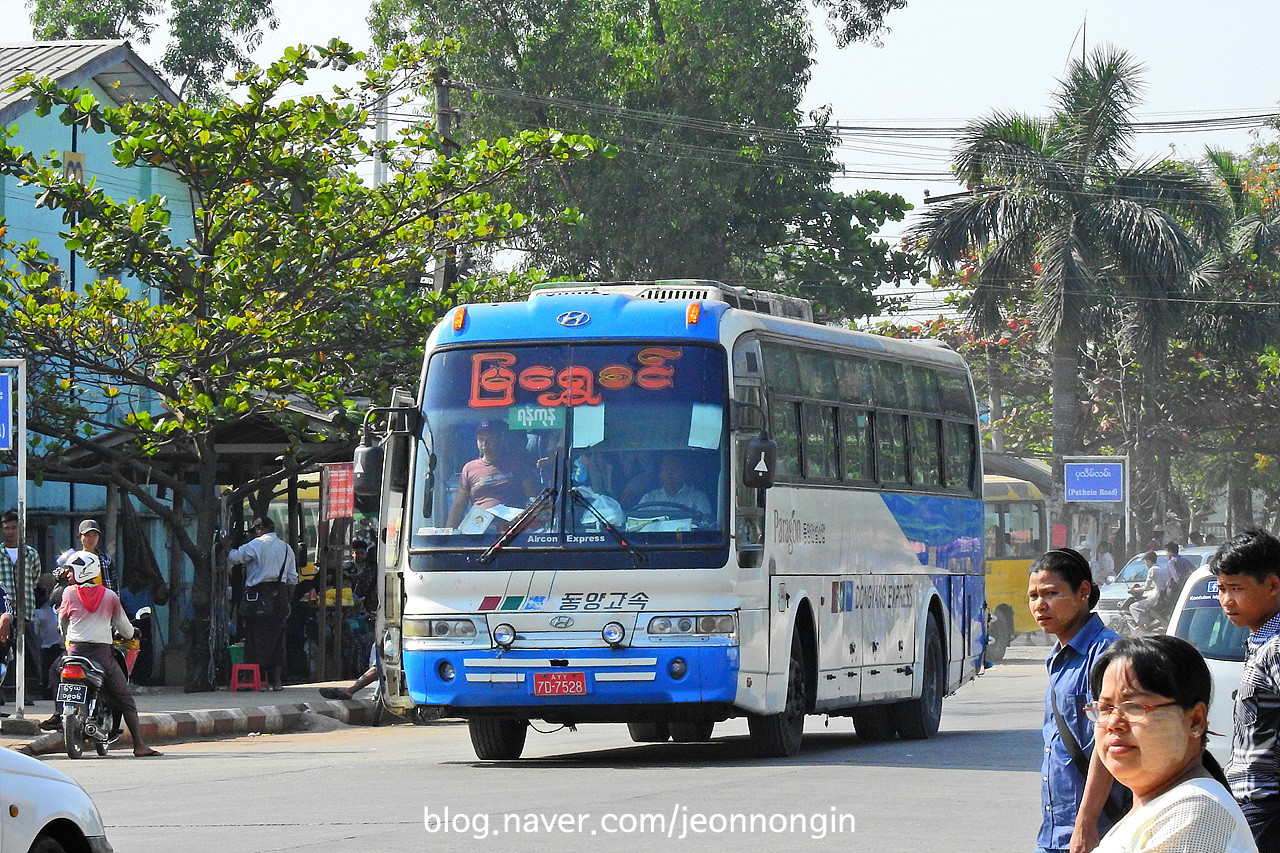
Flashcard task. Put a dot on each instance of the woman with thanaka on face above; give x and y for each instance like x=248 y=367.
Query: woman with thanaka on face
x=1151 y=718
x=1073 y=788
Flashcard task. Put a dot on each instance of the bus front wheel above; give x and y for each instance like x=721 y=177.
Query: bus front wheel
x=649 y=732
x=918 y=719
x=779 y=735
x=498 y=738
x=699 y=732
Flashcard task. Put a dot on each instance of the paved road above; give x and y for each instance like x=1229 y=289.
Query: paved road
x=973 y=788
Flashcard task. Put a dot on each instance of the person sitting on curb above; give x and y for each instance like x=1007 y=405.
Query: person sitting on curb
x=88 y=614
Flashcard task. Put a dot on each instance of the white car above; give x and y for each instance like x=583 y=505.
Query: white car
x=1198 y=617
x=45 y=810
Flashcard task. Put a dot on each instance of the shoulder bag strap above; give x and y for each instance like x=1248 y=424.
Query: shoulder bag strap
x=1110 y=807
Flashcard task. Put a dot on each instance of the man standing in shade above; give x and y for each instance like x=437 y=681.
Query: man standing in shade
x=9 y=580
x=90 y=537
x=269 y=576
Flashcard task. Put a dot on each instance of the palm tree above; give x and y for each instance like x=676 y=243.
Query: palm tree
x=1106 y=241
x=1241 y=319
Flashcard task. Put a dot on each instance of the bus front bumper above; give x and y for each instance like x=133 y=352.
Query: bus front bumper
x=546 y=678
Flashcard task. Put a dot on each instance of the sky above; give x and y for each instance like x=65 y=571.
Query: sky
x=945 y=62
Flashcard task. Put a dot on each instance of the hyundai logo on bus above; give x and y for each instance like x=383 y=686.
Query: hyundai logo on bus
x=562 y=622
x=574 y=318
x=6 y=412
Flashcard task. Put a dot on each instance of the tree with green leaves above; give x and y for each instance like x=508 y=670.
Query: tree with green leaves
x=291 y=291
x=719 y=174
x=207 y=38
x=1110 y=244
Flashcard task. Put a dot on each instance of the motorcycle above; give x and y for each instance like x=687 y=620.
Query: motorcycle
x=1125 y=623
x=85 y=717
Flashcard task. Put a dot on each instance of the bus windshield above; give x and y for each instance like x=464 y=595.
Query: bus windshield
x=592 y=447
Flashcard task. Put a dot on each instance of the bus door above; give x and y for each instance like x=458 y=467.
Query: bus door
x=393 y=542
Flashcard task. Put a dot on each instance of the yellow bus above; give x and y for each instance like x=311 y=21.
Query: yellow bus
x=1015 y=535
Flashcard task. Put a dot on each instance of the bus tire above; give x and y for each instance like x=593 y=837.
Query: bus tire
x=649 y=732
x=497 y=738
x=1000 y=634
x=779 y=735
x=873 y=723
x=918 y=719
x=699 y=732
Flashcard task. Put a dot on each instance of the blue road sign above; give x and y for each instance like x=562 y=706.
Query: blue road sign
x=1093 y=481
x=6 y=412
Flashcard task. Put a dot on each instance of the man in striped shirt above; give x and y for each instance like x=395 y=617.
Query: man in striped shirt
x=1247 y=568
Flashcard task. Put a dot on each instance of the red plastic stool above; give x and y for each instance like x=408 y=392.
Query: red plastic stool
x=255 y=677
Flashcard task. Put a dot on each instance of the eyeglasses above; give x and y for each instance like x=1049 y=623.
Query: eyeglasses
x=1132 y=712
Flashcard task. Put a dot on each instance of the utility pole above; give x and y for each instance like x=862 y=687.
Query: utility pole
x=446 y=271
x=17 y=442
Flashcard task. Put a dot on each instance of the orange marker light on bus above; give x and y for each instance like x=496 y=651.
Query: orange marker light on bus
x=459 y=318
x=691 y=316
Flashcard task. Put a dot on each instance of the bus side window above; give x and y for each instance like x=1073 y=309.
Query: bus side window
x=784 y=426
x=891 y=447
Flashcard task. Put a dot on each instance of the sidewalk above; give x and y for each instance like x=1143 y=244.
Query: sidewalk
x=169 y=715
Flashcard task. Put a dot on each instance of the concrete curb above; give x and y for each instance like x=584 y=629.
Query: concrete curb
x=186 y=726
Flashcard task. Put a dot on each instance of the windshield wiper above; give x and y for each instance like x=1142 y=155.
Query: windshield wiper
x=582 y=500
x=516 y=523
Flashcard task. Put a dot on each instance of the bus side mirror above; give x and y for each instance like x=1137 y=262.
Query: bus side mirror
x=367 y=473
x=759 y=462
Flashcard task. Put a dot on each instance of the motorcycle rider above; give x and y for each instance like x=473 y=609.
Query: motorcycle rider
x=87 y=615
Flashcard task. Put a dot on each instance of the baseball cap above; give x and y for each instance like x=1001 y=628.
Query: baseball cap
x=492 y=426
x=89 y=524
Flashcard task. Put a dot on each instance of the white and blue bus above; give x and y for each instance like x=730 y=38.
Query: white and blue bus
x=671 y=503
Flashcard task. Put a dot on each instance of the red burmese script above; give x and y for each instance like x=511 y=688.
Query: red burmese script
x=494 y=378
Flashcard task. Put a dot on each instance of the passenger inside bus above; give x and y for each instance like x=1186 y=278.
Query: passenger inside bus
x=501 y=476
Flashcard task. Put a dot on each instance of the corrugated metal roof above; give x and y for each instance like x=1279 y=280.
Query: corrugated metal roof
x=111 y=64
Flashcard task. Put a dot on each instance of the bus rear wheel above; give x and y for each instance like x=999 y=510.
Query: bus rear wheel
x=779 y=735
x=999 y=634
x=919 y=719
x=497 y=738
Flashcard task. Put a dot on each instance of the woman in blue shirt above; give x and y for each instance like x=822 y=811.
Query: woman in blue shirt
x=1062 y=595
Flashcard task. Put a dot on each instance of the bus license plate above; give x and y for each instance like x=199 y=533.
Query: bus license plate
x=559 y=684
x=72 y=693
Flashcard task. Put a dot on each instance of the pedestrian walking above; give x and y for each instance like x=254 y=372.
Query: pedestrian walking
x=1075 y=786
x=270 y=575
x=1247 y=568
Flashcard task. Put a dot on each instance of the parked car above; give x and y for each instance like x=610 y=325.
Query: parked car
x=1198 y=618
x=1113 y=594
x=45 y=810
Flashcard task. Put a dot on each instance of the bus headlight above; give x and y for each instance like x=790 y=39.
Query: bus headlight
x=441 y=629
x=702 y=624
x=504 y=635
x=464 y=628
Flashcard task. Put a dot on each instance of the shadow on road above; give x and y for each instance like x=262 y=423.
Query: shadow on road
x=1002 y=749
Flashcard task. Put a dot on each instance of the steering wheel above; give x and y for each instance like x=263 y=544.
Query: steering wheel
x=680 y=510
x=663 y=506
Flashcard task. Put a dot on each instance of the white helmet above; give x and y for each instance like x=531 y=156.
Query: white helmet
x=84 y=566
